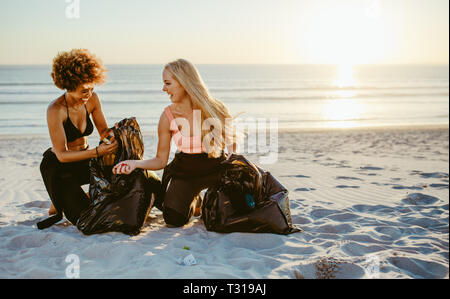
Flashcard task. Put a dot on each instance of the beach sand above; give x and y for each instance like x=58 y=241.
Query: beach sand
x=373 y=203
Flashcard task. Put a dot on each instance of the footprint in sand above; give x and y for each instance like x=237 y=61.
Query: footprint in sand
x=419 y=268
x=297 y=176
x=343 y=166
x=419 y=199
x=36 y=204
x=344 y=217
x=439 y=186
x=345 y=186
x=373 y=209
x=419 y=157
x=300 y=220
x=369 y=174
x=334 y=229
x=436 y=175
x=27 y=240
x=27 y=222
x=305 y=189
x=371 y=168
x=399 y=187
x=320 y=213
x=348 y=178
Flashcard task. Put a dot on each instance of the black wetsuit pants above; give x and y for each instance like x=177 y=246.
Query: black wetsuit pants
x=63 y=183
x=191 y=173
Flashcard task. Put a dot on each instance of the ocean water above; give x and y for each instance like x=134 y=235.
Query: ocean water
x=297 y=96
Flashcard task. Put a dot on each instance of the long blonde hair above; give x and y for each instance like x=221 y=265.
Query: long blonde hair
x=188 y=76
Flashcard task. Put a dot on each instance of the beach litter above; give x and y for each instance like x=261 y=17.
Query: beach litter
x=189 y=260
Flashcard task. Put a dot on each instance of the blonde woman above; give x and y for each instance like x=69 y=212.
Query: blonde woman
x=200 y=126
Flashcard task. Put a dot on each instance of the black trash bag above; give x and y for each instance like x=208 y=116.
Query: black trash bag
x=120 y=203
x=248 y=199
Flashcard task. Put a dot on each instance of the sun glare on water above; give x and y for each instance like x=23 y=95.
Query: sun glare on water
x=345 y=76
x=343 y=110
x=344 y=34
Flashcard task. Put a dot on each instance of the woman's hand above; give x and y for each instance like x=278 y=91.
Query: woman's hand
x=108 y=136
x=105 y=149
x=124 y=167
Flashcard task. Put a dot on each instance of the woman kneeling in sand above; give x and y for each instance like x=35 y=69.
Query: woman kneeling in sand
x=65 y=166
x=196 y=165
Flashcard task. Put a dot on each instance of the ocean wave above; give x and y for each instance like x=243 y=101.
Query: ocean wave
x=353 y=96
x=53 y=92
x=123 y=102
x=243 y=99
x=26 y=84
x=327 y=88
x=222 y=90
x=240 y=97
x=152 y=122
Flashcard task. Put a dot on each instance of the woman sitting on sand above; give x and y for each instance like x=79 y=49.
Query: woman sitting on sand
x=65 y=166
x=196 y=165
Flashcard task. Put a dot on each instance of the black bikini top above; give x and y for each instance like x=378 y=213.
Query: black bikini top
x=72 y=132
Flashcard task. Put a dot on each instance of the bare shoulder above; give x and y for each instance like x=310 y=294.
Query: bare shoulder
x=174 y=112
x=173 y=109
x=164 y=121
x=94 y=102
x=94 y=98
x=56 y=108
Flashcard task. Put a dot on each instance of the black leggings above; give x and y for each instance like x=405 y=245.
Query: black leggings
x=179 y=201
x=63 y=183
x=191 y=174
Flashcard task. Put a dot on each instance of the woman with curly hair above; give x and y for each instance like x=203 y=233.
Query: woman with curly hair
x=65 y=166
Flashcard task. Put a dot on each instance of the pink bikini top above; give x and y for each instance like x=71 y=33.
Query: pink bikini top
x=189 y=145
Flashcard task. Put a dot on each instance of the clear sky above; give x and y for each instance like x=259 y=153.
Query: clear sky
x=228 y=31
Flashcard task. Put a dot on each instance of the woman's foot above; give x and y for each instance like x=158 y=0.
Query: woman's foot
x=198 y=207
x=52 y=210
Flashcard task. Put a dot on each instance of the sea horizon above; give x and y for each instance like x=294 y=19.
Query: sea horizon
x=303 y=96
x=443 y=64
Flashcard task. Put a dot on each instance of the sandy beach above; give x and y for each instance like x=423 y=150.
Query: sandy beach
x=372 y=203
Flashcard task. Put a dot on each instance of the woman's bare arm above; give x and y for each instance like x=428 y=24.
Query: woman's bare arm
x=162 y=154
x=163 y=150
x=58 y=138
x=99 y=117
x=55 y=118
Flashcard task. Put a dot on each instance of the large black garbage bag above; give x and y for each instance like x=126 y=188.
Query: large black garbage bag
x=248 y=199
x=120 y=203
